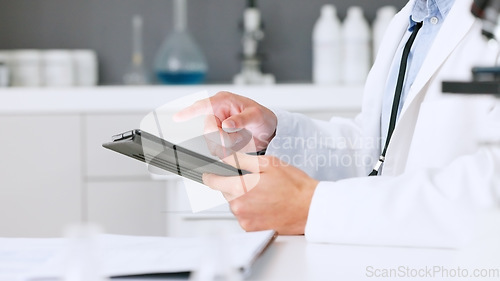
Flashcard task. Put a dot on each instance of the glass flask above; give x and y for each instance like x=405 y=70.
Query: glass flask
x=136 y=73
x=180 y=60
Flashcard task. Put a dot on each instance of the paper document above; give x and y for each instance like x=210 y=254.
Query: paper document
x=25 y=259
x=18 y=256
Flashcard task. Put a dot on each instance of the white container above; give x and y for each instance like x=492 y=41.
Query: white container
x=57 y=68
x=85 y=68
x=4 y=69
x=5 y=57
x=382 y=21
x=356 y=47
x=25 y=68
x=327 y=47
x=4 y=75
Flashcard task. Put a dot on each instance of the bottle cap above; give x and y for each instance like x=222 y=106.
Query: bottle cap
x=328 y=10
x=355 y=11
x=56 y=55
x=26 y=55
x=84 y=54
x=4 y=56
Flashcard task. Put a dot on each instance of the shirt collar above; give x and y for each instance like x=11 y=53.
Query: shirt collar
x=423 y=9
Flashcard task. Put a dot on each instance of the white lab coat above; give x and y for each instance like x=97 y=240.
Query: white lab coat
x=436 y=175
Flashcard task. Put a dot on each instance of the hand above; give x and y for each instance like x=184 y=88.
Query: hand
x=275 y=195
x=229 y=114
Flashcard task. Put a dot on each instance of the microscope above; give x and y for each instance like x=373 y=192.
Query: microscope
x=486 y=80
x=251 y=60
x=485 y=249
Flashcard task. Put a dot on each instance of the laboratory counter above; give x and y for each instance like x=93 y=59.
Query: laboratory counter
x=115 y=99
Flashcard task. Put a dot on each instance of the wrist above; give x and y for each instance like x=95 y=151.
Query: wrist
x=308 y=190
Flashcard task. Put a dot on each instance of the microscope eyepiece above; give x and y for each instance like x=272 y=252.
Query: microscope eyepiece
x=478 y=7
x=488 y=11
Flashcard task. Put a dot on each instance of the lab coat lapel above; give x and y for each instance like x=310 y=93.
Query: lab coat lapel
x=375 y=83
x=456 y=25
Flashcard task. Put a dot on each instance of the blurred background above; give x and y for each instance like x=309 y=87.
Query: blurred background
x=105 y=26
x=63 y=65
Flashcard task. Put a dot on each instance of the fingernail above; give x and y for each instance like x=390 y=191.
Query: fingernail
x=231 y=130
x=229 y=124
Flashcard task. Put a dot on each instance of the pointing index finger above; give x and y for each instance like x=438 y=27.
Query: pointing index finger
x=201 y=107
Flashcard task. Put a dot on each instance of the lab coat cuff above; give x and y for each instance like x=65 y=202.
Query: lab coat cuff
x=316 y=226
x=339 y=213
x=363 y=211
x=283 y=128
x=348 y=212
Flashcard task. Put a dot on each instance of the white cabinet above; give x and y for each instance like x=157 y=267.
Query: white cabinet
x=128 y=207
x=101 y=163
x=181 y=221
x=40 y=174
x=205 y=224
x=121 y=196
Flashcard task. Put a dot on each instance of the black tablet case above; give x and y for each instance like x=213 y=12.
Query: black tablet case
x=165 y=155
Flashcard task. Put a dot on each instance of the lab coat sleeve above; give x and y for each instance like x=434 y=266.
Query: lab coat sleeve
x=324 y=150
x=434 y=207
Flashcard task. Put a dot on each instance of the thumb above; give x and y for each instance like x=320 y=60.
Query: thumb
x=239 y=121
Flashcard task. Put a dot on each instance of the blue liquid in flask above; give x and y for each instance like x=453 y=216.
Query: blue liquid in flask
x=181 y=78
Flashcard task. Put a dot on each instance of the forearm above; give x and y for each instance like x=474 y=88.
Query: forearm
x=324 y=150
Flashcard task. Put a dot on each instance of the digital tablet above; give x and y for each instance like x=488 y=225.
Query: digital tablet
x=165 y=155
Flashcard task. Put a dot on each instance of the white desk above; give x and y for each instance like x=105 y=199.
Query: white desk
x=292 y=258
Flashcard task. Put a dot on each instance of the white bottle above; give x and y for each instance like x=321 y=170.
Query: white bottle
x=382 y=21
x=4 y=69
x=86 y=68
x=356 y=47
x=327 y=47
x=57 y=68
x=26 y=70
